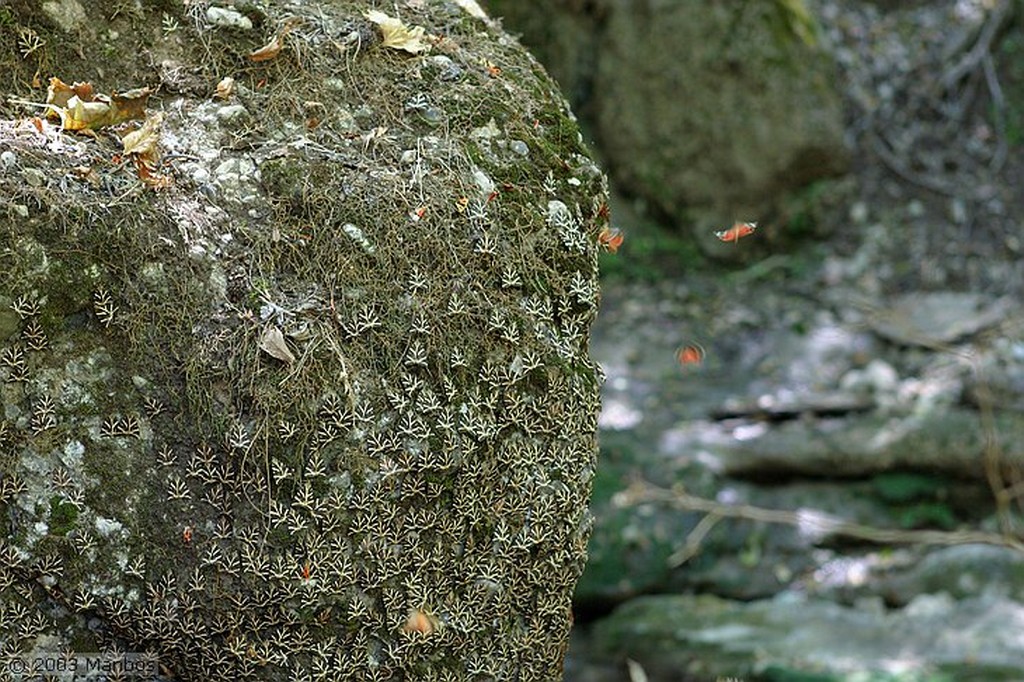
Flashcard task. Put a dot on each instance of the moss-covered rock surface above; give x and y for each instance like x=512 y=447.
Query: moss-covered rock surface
x=303 y=391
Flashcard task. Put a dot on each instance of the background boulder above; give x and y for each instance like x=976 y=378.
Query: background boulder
x=700 y=106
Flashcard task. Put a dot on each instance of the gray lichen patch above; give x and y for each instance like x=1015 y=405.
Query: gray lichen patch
x=333 y=373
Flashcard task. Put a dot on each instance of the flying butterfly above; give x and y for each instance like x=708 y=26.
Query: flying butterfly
x=736 y=232
x=611 y=239
x=691 y=354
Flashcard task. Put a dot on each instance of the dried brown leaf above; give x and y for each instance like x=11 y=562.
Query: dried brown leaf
x=145 y=142
x=80 y=108
x=150 y=178
x=276 y=44
x=130 y=105
x=225 y=88
x=268 y=51
x=273 y=344
x=59 y=93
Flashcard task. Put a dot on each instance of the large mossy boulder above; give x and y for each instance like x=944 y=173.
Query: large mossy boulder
x=706 y=106
x=296 y=381
x=698 y=107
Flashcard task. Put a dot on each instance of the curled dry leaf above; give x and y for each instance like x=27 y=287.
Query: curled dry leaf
x=397 y=35
x=225 y=88
x=273 y=344
x=80 y=108
x=145 y=142
x=268 y=51
x=58 y=93
x=276 y=44
x=151 y=179
x=142 y=146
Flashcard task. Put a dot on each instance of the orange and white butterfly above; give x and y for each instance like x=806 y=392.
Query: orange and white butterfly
x=736 y=232
x=691 y=354
x=611 y=239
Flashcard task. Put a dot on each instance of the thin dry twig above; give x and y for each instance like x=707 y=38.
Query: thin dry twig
x=999 y=113
x=693 y=541
x=817 y=524
x=897 y=166
x=982 y=47
x=952 y=95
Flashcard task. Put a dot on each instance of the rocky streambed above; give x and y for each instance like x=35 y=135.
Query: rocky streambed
x=833 y=493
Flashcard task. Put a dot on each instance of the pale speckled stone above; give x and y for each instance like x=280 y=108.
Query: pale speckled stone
x=228 y=18
x=69 y=15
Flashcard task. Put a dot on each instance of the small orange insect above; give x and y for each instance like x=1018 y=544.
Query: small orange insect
x=305 y=571
x=736 y=232
x=692 y=354
x=421 y=621
x=186 y=535
x=611 y=239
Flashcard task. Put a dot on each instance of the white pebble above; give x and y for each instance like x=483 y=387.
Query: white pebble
x=232 y=112
x=228 y=18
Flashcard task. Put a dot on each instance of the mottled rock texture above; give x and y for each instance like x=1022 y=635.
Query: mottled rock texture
x=310 y=396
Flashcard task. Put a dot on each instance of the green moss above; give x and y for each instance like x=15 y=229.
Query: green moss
x=1011 y=59
x=63 y=516
x=197 y=279
x=927 y=515
x=901 y=487
x=918 y=500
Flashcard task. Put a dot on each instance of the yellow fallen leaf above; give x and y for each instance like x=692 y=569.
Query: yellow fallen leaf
x=58 y=93
x=397 y=35
x=145 y=142
x=79 y=108
x=81 y=115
